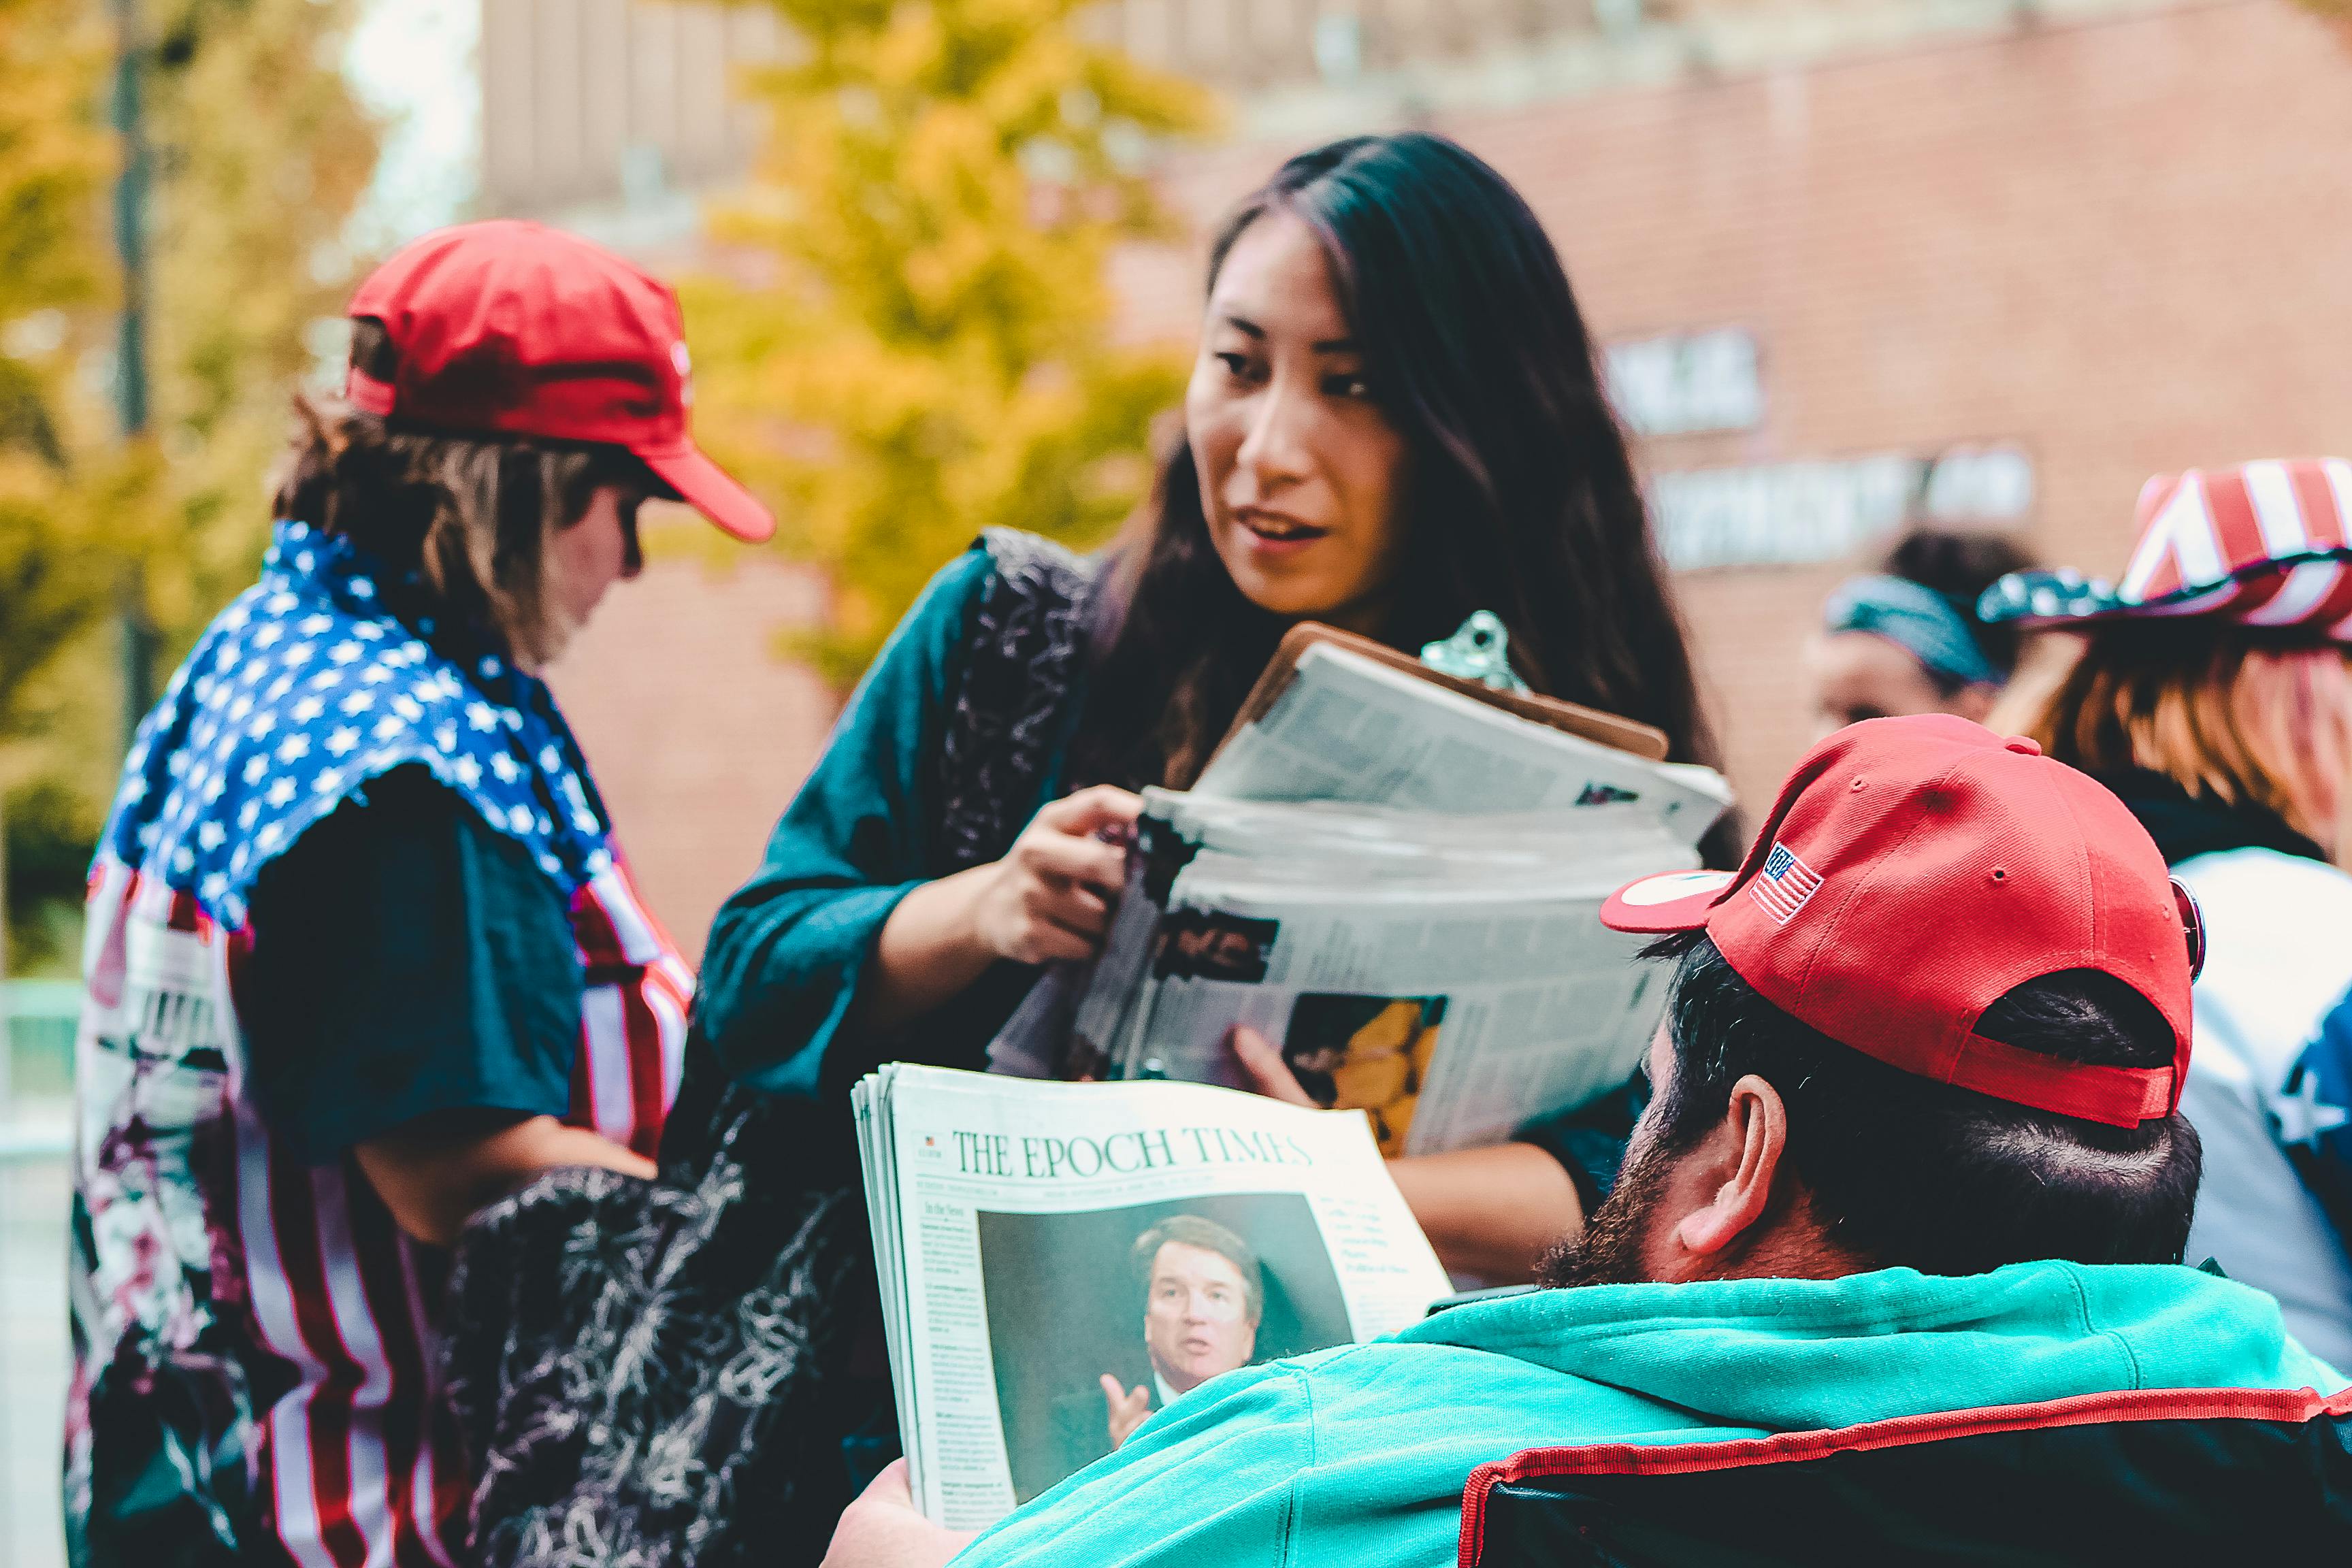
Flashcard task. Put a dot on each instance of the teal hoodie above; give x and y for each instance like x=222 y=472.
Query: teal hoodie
x=1358 y=1455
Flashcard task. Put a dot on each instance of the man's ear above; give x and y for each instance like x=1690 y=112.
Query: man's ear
x=1749 y=1144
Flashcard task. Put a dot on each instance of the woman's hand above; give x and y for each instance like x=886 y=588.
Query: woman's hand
x=1492 y=1213
x=1051 y=896
x=1262 y=1069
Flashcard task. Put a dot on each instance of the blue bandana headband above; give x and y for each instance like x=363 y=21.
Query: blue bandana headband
x=1918 y=618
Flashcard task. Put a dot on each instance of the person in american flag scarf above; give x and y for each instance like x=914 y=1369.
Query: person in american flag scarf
x=363 y=955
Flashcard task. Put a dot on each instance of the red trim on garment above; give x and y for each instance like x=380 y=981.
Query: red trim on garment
x=2295 y=1405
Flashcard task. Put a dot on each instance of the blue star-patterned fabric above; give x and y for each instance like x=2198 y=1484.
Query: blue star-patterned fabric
x=314 y=680
x=2314 y=1114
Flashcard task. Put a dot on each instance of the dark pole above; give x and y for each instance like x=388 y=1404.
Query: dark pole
x=131 y=192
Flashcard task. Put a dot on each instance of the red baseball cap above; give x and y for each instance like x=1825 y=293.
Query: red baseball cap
x=511 y=328
x=1914 y=871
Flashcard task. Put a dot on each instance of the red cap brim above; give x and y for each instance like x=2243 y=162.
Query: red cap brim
x=713 y=491
x=1670 y=901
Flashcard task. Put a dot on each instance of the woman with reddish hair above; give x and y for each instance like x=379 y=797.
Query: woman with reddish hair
x=2213 y=693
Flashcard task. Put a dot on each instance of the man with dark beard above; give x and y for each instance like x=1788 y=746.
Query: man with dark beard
x=1914 y=1148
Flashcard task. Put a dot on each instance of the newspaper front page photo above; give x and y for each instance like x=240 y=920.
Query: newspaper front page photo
x=1059 y=1262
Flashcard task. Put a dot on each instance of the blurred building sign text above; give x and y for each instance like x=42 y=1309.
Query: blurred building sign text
x=1790 y=514
x=1687 y=385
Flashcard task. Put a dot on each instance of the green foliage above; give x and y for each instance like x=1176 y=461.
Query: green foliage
x=925 y=351
x=260 y=153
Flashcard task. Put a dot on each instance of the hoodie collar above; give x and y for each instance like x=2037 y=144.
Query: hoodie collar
x=1781 y=1355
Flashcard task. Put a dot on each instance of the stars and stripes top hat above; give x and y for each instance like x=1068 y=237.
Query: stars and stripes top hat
x=1915 y=870
x=2262 y=544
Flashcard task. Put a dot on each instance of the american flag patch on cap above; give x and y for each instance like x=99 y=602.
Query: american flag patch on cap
x=1784 y=885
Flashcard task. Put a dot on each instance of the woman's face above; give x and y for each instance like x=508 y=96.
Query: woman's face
x=1861 y=675
x=585 y=559
x=1302 y=476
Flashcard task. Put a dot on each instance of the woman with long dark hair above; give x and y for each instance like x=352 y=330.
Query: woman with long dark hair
x=1456 y=433
x=1394 y=420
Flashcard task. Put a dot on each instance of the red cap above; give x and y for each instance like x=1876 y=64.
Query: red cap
x=510 y=328
x=1913 y=872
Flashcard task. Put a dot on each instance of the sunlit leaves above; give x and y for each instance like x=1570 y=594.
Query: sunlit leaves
x=913 y=339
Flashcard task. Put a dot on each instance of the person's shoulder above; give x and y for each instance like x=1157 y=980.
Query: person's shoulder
x=1003 y=564
x=2275 y=960
x=1014 y=555
x=1207 y=1479
x=955 y=586
x=2256 y=873
x=2187 y=1328
x=390 y=814
x=927 y=638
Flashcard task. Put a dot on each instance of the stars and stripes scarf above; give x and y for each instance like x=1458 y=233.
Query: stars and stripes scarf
x=322 y=675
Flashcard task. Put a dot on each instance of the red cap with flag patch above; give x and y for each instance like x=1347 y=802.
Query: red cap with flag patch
x=510 y=328
x=1915 y=870
x=2262 y=544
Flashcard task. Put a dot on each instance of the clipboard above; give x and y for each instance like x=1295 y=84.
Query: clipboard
x=1644 y=740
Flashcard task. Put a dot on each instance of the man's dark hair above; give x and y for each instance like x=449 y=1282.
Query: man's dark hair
x=1908 y=1173
x=1191 y=1230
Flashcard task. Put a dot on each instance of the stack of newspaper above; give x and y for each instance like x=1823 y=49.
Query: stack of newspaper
x=1400 y=887
x=1059 y=1260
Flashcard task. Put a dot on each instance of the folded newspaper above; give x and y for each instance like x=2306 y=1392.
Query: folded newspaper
x=1059 y=1260
x=1401 y=887
x=1348 y=728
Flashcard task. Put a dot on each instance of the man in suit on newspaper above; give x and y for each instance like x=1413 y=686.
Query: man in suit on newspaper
x=1203 y=1297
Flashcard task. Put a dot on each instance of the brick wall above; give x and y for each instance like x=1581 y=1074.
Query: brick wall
x=2125 y=245
x=696 y=727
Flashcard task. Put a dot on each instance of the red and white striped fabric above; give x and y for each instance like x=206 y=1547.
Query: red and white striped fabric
x=632 y=1013
x=2262 y=544
x=357 y=1466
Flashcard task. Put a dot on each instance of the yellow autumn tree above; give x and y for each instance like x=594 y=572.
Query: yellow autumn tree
x=57 y=564
x=259 y=154
x=53 y=158
x=927 y=350
x=262 y=152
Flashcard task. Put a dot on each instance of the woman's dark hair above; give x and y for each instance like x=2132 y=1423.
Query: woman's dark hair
x=470 y=515
x=1960 y=567
x=1908 y=1173
x=1522 y=496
